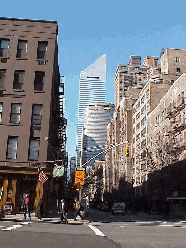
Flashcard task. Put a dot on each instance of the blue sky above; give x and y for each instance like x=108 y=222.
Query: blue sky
x=89 y=29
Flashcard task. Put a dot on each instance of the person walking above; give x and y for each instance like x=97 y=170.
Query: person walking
x=40 y=210
x=63 y=211
x=26 y=207
x=77 y=207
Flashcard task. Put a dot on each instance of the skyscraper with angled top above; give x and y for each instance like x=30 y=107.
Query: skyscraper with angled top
x=92 y=88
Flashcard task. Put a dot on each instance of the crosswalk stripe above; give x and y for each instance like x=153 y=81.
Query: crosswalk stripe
x=96 y=230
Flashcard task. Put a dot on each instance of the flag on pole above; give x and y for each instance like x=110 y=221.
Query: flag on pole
x=42 y=176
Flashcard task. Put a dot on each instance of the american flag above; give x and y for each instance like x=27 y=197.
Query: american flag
x=42 y=176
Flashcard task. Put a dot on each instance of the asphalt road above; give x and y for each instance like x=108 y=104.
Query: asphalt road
x=103 y=230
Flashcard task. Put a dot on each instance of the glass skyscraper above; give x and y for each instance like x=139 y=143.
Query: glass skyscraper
x=92 y=88
x=96 y=118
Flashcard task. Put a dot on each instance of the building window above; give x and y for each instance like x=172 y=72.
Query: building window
x=39 y=80
x=143 y=121
x=143 y=132
x=143 y=110
x=4 y=46
x=34 y=149
x=21 y=49
x=42 y=49
x=36 y=114
x=178 y=70
x=163 y=115
x=2 y=78
x=138 y=116
x=177 y=59
x=12 y=147
x=18 y=80
x=143 y=143
x=1 y=111
x=15 y=115
x=138 y=126
x=143 y=99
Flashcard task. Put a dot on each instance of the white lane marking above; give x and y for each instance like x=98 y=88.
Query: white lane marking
x=9 y=228
x=17 y=225
x=166 y=225
x=96 y=230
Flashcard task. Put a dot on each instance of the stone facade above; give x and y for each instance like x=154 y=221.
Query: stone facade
x=134 y=104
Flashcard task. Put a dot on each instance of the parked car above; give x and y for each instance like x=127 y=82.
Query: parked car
x=105 y=207
x=8 y=208
x=118 y=208
x=2 y=214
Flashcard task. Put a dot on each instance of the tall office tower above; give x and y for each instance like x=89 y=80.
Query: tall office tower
x=92 y=88
x=96 y=118
x=134 y=74
x=31 y=114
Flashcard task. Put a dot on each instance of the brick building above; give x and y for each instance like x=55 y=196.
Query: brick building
x=31 y=116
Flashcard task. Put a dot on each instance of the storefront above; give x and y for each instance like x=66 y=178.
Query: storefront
x=176 y=205
x=15 y=183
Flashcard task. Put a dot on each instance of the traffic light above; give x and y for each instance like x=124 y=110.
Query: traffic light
x=72 y=188
x=126 y=151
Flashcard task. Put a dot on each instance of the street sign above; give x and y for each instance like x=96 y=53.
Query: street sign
x=79 y=177
x=58 y=171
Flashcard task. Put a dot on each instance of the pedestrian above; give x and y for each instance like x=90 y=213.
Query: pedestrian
x=40 y=210
x=63 y=211
x=77 y=207
x=26 y=206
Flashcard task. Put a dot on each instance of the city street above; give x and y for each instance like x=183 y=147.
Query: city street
x=102 y=229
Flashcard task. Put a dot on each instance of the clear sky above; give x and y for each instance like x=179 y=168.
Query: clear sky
x=89 y=29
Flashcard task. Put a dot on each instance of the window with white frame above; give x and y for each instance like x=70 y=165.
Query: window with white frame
x=15 y=116
x=143 y=121
x=18 y=79
x=143 y=99
x=12 y=147
x=143 y=110
x=34 y=149
x=2 y=78
x=147 y=93
x=1 y=111
x=4 y=47
x=177 y=59
x=21 y=49
x=42 y=49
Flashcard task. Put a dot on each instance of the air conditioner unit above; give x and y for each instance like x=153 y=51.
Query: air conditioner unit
x=3 y=60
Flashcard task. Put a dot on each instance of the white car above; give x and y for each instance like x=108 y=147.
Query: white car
x=118 y=208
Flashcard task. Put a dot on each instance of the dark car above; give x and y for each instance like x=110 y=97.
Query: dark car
x=2 y=214
x=105 y=207
x=118 y=208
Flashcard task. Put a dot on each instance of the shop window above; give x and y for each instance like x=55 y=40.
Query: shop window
x=15 y=115
x=18 y=80
x=12 y=147
x=21 y=49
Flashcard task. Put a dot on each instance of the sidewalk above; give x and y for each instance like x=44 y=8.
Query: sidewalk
x=52 y=217
x=154 y=216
